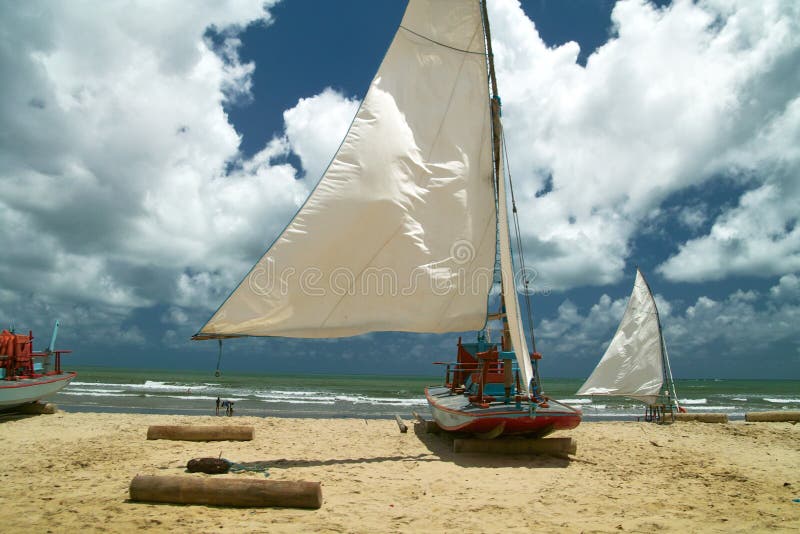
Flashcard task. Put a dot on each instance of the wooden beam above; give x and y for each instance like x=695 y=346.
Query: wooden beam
x=201 y=433
x=551 y=446
x=428 y=426
x=772 y=417
x=239 y=492
x=401 y=424
x=701 y=417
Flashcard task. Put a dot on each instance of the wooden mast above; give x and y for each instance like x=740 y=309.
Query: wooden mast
x=497 y=132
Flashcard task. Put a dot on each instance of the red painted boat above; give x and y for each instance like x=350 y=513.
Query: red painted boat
x=27 y=376
x=482 y=395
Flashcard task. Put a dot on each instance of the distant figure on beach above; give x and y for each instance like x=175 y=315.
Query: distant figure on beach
x=230 y=408
x=218 y=405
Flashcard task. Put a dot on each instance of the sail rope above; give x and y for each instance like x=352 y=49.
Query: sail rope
x=217 y=373
x=439 y=42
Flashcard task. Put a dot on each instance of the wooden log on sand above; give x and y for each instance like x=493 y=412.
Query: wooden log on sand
x=239 y=492
x=551 y=446
x=701 y=417
x=401 y=424
x=201 y=433
x=428 y=426
x=772 y=417
x=37 y=408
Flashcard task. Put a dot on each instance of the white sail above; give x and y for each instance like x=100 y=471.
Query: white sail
x=399 y=234
x=513 y=315
x=633 y=364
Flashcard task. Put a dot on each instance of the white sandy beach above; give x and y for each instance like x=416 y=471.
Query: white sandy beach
x=70 y=472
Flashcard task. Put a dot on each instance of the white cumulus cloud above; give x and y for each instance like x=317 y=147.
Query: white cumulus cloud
x=678 y=96
x=123 y=184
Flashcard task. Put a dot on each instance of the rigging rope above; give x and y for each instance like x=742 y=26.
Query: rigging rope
x=219 y=359
x=439 y=43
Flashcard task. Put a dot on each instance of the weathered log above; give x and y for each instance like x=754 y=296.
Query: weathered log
x=701 y=417
x=201 y=433
x=239 y=492
x=37 y=408
x=552 y=446
x=428 y=426
x=401 y=424
x=772 y=417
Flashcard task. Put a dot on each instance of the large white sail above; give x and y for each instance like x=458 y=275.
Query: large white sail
x=399 y=234
x=513 y=315
x=633 y=364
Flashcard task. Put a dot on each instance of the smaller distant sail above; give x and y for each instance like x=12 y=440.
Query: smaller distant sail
x=633 y=364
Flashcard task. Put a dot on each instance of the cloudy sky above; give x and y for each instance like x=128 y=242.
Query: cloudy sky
x=150 y=151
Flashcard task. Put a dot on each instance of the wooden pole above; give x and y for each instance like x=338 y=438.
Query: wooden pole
x=240 y=492
x=552 y=446
x=508 y=377
x=401 y=424
x=201 y=433
x=701 y=417
x=772 y=417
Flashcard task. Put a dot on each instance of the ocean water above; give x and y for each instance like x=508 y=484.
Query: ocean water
x=361 y=396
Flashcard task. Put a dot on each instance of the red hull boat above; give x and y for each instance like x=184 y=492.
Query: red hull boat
x=27 y=376
x=482 y=395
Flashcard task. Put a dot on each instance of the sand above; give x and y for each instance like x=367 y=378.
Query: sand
x=70 y=472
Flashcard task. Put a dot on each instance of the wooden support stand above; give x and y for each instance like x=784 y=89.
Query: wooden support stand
x=701 y=417
x=401 y=424
x=247 y=493
x=552 y=446
x=37 y=408
x=428 y=426
x=772 y=417
x=201 y=433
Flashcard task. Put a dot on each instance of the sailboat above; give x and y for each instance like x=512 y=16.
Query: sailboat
x=636 y=363
x=405 y=227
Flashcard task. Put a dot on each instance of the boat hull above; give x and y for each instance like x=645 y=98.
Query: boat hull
x=15 y=393
x=454 y=413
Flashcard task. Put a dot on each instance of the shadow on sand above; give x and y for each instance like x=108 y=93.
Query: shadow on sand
x=440 y=446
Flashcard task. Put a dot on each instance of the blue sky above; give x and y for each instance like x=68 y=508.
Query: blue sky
x=148 y=157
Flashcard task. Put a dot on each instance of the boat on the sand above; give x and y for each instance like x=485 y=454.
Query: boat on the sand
x=26 y=375
x=410 y=228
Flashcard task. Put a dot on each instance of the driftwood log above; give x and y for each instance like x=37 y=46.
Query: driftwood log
x=239 y=492
x=400 y=424
x=772 y=417
x=551 y=446
x=201 y=433
x=701 y=417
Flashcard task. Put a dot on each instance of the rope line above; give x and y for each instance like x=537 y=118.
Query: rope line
x=440 y=43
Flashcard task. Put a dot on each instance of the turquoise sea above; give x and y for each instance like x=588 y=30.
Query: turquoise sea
x=361 y=396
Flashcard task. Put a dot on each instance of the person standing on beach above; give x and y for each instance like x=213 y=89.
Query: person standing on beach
x=230 y=409
x=217 y=405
